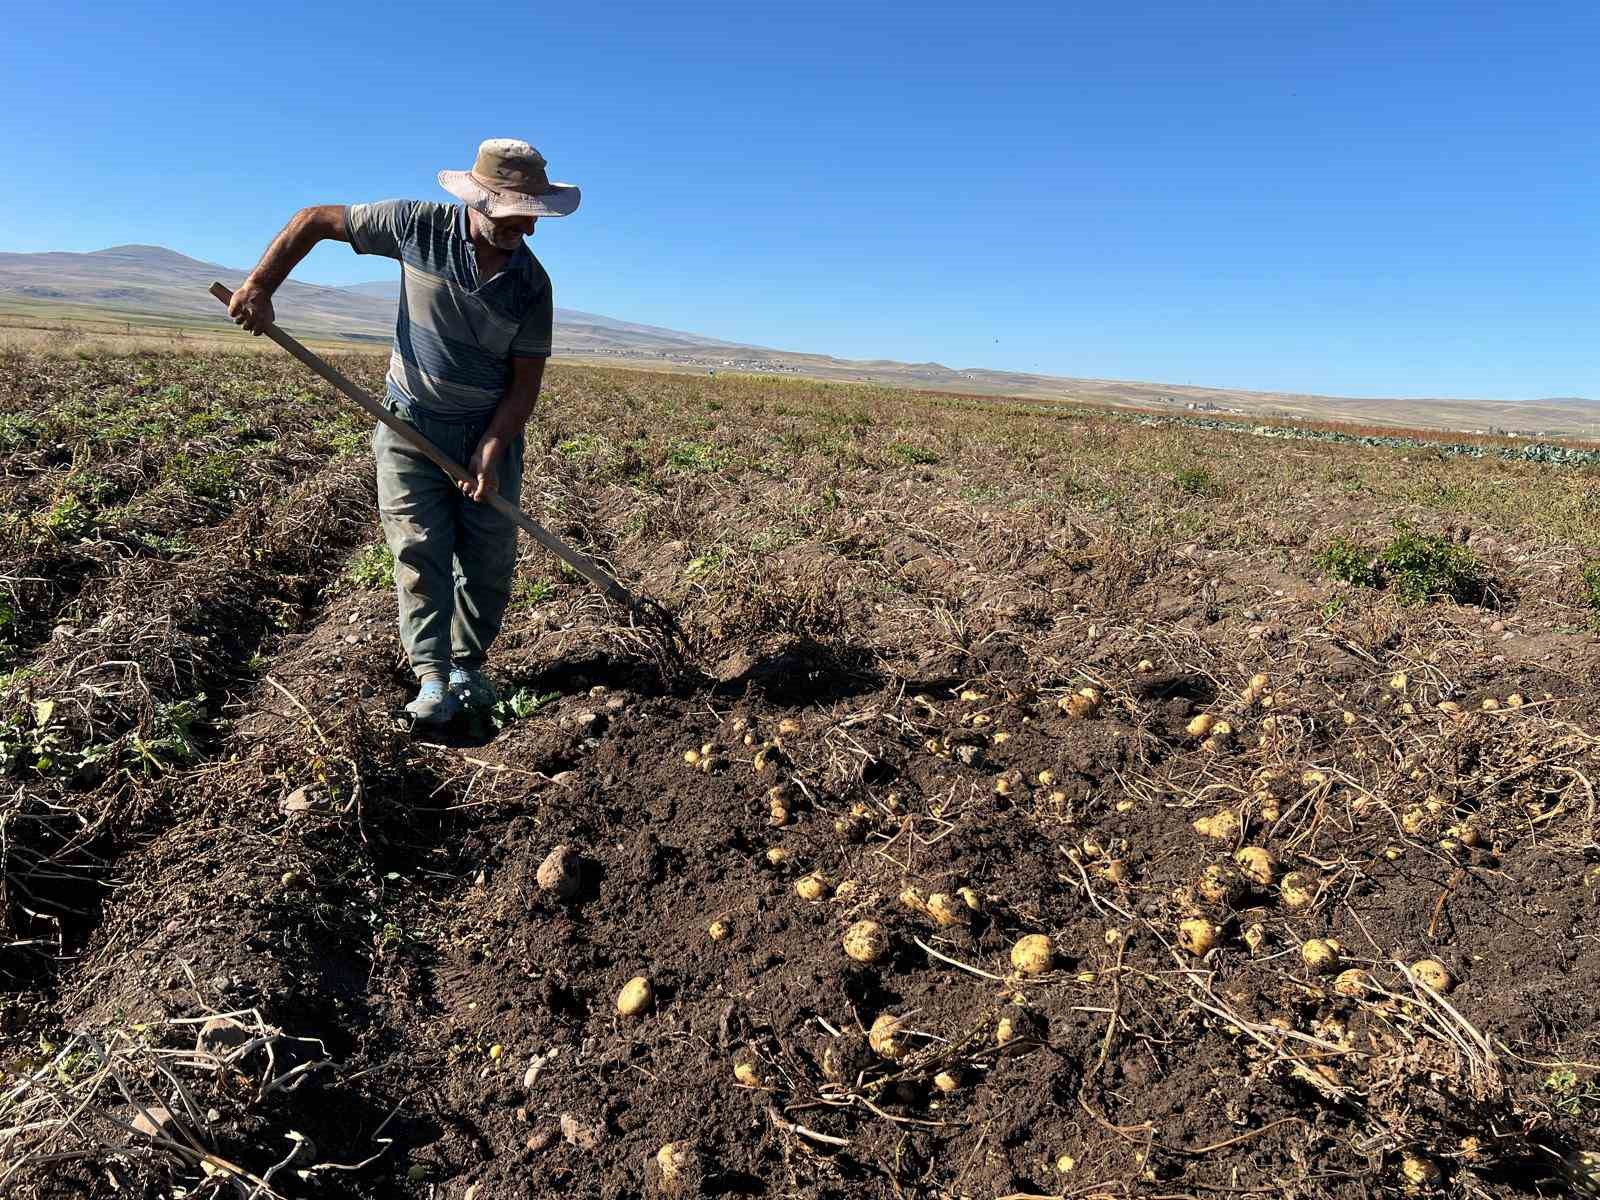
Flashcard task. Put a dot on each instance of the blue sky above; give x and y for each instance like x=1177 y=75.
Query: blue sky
x=1344 y=197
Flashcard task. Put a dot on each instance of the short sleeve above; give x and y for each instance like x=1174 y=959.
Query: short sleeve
x=534 y=335
x=381 y=228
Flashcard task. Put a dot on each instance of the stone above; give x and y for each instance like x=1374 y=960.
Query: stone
x=152 y=1121
x=561 y=873
x=297 y=801
x=220 y=1037
x=581 y=1135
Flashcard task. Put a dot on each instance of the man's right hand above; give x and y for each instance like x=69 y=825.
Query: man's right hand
x=251 y=307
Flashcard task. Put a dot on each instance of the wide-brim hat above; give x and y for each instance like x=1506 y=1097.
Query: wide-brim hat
x=509 y=180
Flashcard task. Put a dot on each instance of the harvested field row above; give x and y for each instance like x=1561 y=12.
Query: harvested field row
x=1042 y=811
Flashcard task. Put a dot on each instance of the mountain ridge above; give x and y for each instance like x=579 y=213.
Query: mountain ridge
x=153 y=280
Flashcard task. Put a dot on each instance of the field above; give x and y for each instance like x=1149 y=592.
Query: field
x=1287 y=747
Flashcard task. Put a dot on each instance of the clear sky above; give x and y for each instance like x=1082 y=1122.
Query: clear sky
x=1392 y=198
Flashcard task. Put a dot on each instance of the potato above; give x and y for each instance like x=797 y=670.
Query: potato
x=1016 y=1024
x=1298 y=889
x=1002 y=785
x=1221 y=884
x=682 y=1170
x=1320 y=955
x=1222 y=826
x=777 y=856
x=845 y=1057
x=866 y=942
x=1077 y=707
x=718 y=930
x=1353 y=982
x=635 y=996
x=914 y=900
x=561 y=872
x=1046 y=777
x=788 y=727
x=812 y=887
x=947 y=1081
x=1255 y=937
x=1144 y=666
x=1197 y=935
x=1255 y=864
x=1201 y=725
x=1259 y=683
x=887 y=1037
x=1435 y=974
x=1419 y=1172
x=970 y=898
x=1032 y=954
x=691 y=757
x=1398 y=682
x=1115 y=870
x=747 y=1069
x=946 y=910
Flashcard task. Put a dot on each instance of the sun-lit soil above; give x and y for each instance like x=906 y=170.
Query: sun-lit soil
x=1317 y=866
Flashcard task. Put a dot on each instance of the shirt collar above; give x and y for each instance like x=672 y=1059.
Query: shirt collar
x=521 y=258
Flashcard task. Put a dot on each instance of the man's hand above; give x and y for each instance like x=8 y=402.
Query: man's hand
x=484 y=467
x=251 y=307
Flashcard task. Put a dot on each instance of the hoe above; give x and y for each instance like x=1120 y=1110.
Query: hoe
x=646 y=612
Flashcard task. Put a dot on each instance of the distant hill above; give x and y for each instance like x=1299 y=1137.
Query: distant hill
x=153 y=281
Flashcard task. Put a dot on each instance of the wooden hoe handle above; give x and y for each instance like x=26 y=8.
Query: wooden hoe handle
x=580 y=563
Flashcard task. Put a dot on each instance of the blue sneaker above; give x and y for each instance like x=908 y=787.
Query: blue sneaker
x=473 y=689
x=435 y=703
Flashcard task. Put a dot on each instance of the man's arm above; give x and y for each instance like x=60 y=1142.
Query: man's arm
x=251 y=306
x=512 y=413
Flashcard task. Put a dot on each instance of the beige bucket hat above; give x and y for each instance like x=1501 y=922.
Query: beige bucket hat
x=508 y=180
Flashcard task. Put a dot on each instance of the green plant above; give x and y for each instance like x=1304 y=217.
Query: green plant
x=173 y=738
x=914 y=456
x=1197 y=481
x=1348 y=561
x=585 y=445
x=535 y=591
x=521 y=704
x=689 y=455
x=206 y=476
x=1421 y=566
x=373 y=567
x=1591 y=583
x=70 y=519
x=1573 y=1095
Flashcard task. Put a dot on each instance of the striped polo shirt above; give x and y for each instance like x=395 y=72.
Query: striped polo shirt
x=454 y=339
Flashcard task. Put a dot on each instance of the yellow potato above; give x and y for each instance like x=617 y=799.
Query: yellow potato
x=1201 y=725
x=747 y=1070
x=1197 y=935
x=1298 y=889
x=1032 y=954
x=886 y=1037
x=1221 y=884
x=1255 y=864
x=1435 y=974
x=1320 y=956
x=866 y=942
x=947 y=1081
x=718 y=930
x=635 y=996
x=947 y=910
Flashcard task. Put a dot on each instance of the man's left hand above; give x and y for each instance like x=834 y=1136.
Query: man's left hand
x=484 y=468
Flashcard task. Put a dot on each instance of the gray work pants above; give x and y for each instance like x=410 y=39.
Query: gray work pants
x=453 y=557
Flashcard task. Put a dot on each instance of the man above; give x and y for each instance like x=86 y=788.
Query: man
x=470 y=345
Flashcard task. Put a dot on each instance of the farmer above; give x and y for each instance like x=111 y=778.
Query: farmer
x=470 y=345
